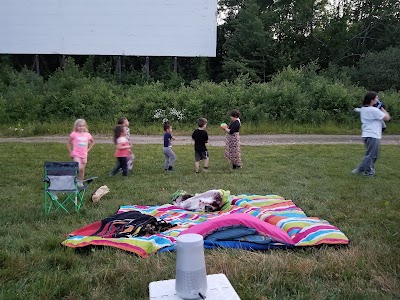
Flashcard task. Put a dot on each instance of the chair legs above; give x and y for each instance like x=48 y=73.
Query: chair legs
x=79 y=198
x=63 y=201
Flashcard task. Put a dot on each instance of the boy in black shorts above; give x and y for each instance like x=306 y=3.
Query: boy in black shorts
x=200 y=137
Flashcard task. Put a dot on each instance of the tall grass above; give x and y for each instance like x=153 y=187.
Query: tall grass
x=33 y=264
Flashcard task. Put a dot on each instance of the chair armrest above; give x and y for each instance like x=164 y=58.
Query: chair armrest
x=89 y=180
x=46 y=180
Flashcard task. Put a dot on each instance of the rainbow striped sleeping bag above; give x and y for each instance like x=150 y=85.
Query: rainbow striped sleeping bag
x=266 y=222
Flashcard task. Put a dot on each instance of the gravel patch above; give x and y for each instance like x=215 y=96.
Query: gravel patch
x=219 y=140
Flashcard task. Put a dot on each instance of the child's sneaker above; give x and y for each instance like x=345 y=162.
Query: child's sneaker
x=370 y=174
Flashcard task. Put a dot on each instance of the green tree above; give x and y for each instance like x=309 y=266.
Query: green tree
x=294 y=27
x=380 y=71
x=246 y=47
x=359 y=27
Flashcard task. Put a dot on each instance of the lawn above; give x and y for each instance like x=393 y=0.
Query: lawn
x=316 y=177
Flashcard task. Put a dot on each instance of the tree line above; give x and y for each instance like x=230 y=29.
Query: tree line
x=358 y=39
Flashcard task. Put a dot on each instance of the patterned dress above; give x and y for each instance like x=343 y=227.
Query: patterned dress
x=232 y=144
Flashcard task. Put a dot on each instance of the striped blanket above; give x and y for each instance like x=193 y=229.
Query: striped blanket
x=273 y=209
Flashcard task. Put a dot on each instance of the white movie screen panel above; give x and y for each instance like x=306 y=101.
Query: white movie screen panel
x=109 y=27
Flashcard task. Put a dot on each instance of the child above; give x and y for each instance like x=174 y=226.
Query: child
x=169 y=155
x=232 y=147
x=200 y=138
x=79 y=144
x=122 y=151
x=124 y=122
x=371 y=119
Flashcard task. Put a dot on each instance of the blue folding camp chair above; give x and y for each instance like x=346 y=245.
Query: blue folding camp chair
x=61 y=190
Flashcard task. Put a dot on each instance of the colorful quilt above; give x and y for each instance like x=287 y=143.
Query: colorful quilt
x=290 y=220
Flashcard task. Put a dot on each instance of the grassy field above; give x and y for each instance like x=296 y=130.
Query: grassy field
x=33 y=264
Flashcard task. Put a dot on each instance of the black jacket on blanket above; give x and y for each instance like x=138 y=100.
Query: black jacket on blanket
x=130 y=224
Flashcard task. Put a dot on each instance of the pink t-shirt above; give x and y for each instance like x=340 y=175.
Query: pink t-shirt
x=122 y=141
x=80 y=141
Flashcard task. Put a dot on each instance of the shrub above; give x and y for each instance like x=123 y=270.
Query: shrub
x=380 y=71
x=23 y=97
x=293 y=95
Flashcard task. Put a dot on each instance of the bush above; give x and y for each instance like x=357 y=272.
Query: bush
x=22 y=99
x=71 y=95
x=293 y=95
x=380 y=71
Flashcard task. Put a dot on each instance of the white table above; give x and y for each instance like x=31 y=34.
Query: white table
x=219 y=288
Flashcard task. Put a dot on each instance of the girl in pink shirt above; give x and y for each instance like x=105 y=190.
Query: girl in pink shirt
x=79 y=144
x=124 y=122
x=122 y=151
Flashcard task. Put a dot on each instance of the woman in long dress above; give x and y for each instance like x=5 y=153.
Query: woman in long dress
x=232 y=144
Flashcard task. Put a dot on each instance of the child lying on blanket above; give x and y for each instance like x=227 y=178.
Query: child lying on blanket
x=211 y=200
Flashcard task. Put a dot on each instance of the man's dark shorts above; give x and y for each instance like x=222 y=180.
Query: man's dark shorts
x=200 y=155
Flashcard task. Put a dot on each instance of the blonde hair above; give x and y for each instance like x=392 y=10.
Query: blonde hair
x=80 y=121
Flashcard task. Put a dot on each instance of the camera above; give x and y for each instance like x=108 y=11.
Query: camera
x=379 y=104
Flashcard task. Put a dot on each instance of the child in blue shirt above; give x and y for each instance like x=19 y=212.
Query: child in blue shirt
x=169 y=155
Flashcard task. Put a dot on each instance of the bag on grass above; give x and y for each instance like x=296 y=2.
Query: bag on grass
x=100 y=192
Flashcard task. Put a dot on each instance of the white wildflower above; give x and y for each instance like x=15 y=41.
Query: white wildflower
x=159 y=113
x=178 y=114
x=172 y=113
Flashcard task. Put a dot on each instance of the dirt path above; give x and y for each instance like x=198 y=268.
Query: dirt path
x=219 y=140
